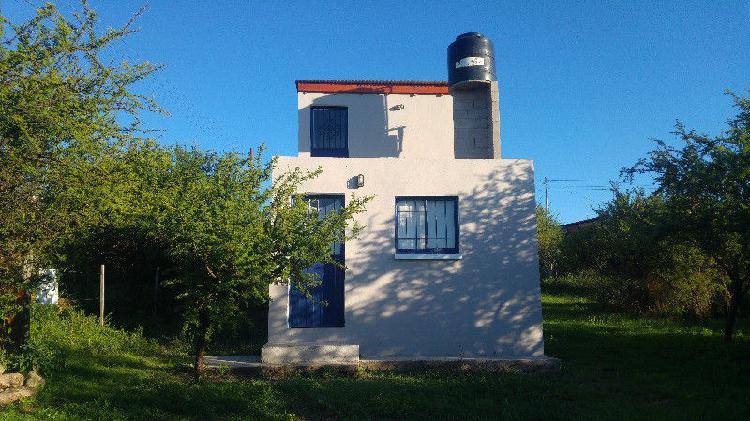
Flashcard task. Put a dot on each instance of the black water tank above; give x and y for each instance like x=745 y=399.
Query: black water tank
x=470 y=59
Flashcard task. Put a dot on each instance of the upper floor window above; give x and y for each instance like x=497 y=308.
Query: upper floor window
x=329 y=131
x=427 y=225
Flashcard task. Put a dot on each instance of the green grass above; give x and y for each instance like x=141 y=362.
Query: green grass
x=614 y=366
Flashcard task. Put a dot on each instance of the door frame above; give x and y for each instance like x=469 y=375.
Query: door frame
x=341 y=259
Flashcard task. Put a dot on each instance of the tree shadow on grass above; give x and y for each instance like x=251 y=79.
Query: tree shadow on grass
x=432 y=394
x=105 y=387
x=571 y=311
x=576 y=285
x=613 y=366
x=663 y=366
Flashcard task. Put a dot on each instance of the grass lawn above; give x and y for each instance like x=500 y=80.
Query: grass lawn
x=614 y=366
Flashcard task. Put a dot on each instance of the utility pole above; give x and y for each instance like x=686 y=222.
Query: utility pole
x=101 y=295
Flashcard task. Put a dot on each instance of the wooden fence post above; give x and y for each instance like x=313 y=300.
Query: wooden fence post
x=101 y=295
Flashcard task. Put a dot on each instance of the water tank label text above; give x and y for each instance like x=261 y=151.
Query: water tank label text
x=470 y=61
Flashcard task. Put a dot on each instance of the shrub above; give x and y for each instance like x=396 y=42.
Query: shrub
x=622 y=292
x=578 y=252
x=549 y=238
x=685 y=283
x=640 y=267
x=57 y=331
x=581 y=283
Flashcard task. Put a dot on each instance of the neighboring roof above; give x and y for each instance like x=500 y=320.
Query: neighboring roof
x=576 y=226
x=374 y=86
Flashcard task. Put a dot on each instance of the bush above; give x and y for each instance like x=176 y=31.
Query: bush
x=686 y=283
x=639 y=267
x=583 y=283
x=57 y=331
x=578 y=252
x=549 y=238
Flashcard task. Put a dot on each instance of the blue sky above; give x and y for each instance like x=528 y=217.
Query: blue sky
x=584 y=86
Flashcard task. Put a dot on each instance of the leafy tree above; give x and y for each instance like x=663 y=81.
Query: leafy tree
x=231 y=232
x=705 y=184
x=114 y=213
x=642 y=267
x=549 y=237
x=578 y=252
x=65 y=111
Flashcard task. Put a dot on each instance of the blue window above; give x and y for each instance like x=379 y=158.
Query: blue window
x=427 y=225
x=329 y=131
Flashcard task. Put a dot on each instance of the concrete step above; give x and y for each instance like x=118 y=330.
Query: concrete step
x=309 y=353
x=233 y=361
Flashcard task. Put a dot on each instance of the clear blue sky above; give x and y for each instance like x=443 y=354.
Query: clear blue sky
x=584 y=86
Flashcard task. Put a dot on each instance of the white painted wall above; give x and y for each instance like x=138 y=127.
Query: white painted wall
x=379 y=127
x=485 y=305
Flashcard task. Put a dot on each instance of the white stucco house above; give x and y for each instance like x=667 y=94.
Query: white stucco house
x=447 y=265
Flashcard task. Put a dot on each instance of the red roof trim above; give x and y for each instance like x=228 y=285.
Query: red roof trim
x=373 y=87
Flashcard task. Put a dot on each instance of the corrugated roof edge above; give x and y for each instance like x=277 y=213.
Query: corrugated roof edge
x=374 y=86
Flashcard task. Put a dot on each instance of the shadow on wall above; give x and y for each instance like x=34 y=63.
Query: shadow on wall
x=486 y=305
x=370 y=135
x=472 y=125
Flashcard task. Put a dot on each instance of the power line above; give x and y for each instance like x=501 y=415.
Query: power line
x=555 y=180
x=571 y=186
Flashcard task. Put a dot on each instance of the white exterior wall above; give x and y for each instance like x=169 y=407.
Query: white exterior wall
x=379 y=127
x=485 y=305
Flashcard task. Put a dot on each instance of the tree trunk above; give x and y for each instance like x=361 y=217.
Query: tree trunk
x=200 y=343
x=735 y=300
x=20 y=325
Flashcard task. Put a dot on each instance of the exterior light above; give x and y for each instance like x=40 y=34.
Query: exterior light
x=360 y=180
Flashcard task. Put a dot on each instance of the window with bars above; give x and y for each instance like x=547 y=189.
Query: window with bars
x=427 y=225
x=329 y=131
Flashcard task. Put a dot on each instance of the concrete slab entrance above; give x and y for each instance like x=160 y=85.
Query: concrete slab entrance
x=466 y=364
x=253 y=362
x=233 y=361
x=309 y=353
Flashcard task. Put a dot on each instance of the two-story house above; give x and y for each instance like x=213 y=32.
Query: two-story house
x=447 y=265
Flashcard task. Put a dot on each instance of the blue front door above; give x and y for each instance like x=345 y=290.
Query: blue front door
x=325 y=307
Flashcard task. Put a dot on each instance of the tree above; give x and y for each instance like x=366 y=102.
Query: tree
x=231 y=233
x=64 y=111
x=705 y=184
x=549 y=236
x=641 y=265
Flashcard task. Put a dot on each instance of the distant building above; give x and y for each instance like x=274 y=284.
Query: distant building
x=447 y=265
x=580 y=225
x=47 y=292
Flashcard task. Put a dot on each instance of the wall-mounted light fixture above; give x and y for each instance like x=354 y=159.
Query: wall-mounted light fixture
x=360 y=180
